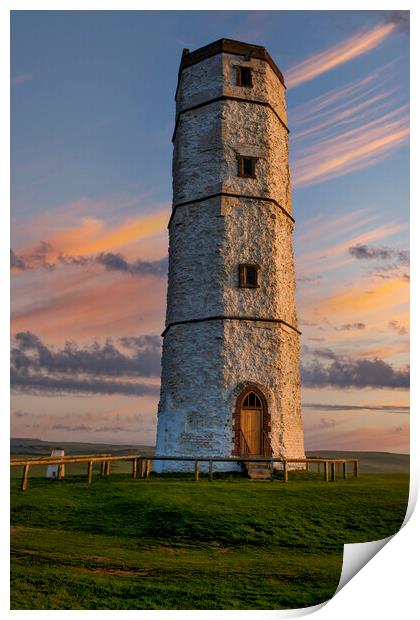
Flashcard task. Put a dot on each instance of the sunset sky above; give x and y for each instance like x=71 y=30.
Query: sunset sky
x=92 y=105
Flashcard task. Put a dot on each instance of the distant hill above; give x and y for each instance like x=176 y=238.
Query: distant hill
x=371 y=462
x=38 y=447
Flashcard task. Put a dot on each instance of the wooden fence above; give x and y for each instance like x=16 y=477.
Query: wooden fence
x=142 y=465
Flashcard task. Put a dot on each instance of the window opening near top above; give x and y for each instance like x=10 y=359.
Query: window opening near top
x=244 y=76
x=246 y=166
x=249 y=276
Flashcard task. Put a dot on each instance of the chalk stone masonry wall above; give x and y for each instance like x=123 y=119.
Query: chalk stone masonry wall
x=205 y=365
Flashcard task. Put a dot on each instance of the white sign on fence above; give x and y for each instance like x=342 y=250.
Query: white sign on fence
x=52 y=470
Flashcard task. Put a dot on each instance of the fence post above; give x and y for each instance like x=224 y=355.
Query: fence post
x=271 y=471
x=196 y=470
x=25 y=477
x=134 y=468
x=306 y=465
x=333 y=471
x=89 y=472
x=148 y=467
x=108 y=468
x=356 y=468
x=211 y=470
x=285 y=472
x=326 y=471
x=344 y=470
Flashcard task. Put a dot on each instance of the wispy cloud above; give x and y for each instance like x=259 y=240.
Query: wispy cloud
x=68 y=283
x=21 y=79
x=320 y=227
x=381 y=351
x=351 y=93
x=398 y=327
x=352 y=150
x=337 y=254
x=393 y=438
x=343 y=117
x=343 y=52
x=253 y=26
x=359 y=300
x=362 y=408
x=350 y=326
x=92 y=235
x=85 y=305
x=348 y=128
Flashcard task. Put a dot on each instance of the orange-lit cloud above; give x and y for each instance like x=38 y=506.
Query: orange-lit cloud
x=361 y=301
x=81 y=304
x=103 y=305
x=345 y=51
x=93 y=235
x=107 y=418
x=385 y=351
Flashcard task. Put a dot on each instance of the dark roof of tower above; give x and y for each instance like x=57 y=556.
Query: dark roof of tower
x=227 y=46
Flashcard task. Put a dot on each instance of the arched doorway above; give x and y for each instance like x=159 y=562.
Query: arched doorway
x=251 y=424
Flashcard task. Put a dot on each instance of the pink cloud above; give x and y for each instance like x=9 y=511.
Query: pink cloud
x=343 y=52
x=21 y=79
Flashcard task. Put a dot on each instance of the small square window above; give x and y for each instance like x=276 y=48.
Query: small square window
x=243 y=76
x=249 y=275
x=246 y=166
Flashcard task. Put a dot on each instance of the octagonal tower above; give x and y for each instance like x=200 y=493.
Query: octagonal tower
x=230 y=365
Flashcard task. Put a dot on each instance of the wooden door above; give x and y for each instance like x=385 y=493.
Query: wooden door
x=251 y=427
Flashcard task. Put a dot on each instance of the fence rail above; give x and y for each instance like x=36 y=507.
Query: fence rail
x=142 y=465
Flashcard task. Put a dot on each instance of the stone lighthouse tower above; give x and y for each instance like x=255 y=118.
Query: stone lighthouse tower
x=230 y=366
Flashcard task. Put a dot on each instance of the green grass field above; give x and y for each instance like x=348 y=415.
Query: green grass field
x=172 y=543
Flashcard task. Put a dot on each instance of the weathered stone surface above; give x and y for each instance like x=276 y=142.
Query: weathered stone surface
x=216 y=77
x=195 y=262
x=209 y=239
x=207 y=364
x=209 y=141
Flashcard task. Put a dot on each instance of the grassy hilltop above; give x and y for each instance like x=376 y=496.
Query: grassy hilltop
x=172 y=543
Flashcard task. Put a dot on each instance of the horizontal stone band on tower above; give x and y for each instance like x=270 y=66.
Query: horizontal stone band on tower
x=228 y=98
x=230 y=195
x=230 y=318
